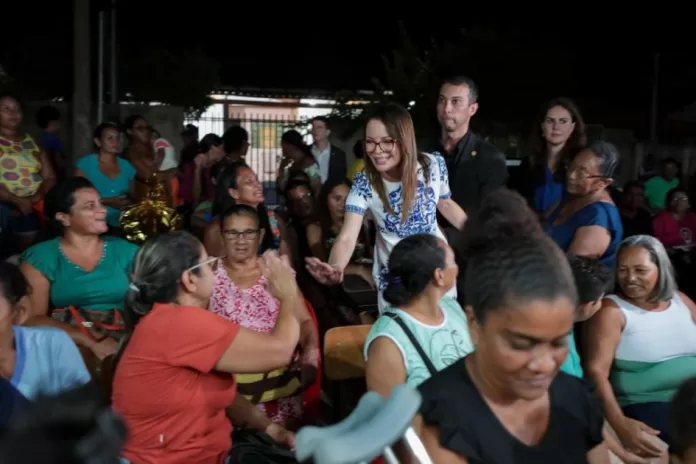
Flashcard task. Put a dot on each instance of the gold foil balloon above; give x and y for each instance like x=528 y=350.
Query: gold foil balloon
x=151 y=216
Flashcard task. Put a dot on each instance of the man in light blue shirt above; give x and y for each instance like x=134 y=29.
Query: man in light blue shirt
x=47 y=362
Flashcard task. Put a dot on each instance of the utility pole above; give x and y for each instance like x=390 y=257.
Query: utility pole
x=81 y=101
x=100 y=60
x=654 y=102
x=112 y=55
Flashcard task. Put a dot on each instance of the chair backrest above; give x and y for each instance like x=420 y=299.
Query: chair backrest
x=343 y=352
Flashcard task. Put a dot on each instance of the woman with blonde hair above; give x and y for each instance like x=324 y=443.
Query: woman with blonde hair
x=402 y=189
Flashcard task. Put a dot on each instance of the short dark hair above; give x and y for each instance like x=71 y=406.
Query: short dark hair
x=13 y=285
x=296 y=183
x=190 y=130
x=681 y=415
x=73 y=426
x=633 y=184
x=239 y=210
x=412 y=264
x=234 y=138
x=592 y=278
x=464 y=81
x=669 y=160
x=323 y=119
x=45 y=115
x=61 y=198
x=209 y=141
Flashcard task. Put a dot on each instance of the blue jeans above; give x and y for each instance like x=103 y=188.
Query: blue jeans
x=13 y=222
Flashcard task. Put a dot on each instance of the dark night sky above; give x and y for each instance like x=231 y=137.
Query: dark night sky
x=612 y=60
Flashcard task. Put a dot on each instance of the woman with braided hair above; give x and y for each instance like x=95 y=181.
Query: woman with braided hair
x=507 y=402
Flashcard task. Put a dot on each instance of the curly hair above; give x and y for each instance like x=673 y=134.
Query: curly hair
x=509 y=259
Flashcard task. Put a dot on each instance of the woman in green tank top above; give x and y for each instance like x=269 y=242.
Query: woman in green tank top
x=642 y=345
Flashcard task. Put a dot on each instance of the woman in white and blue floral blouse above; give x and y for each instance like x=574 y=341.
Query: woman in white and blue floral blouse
x=401 y=188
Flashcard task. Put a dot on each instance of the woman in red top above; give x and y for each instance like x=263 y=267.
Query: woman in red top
x=174 y=384
x=676 y=226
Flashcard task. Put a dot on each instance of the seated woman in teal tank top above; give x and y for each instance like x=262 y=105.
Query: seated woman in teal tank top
x=642 y=345
x=423 y=331
x=79 y=278
x=110 y=174
x=592 y=279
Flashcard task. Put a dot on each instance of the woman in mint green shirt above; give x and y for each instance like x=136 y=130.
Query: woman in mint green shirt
x=422 y=270
x=80 y=269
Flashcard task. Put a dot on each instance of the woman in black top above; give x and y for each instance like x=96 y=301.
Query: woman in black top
x=507 y=402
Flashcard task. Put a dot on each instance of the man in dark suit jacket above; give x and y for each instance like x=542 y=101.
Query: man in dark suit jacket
x=475 y=167
x=331 y=159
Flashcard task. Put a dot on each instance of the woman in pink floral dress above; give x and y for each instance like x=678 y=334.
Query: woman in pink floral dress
x=241 y=295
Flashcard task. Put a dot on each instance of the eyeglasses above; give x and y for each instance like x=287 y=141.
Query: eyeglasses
x=385 y=146
x=233 y=234
x=212 y=262
x=580 y=174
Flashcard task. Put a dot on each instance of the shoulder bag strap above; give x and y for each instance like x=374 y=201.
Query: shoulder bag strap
x=414 y=342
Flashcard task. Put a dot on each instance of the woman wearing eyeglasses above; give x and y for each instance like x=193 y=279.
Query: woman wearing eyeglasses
x=242 y=294
x=175 y=384
x=401 y=188
x=586 y=222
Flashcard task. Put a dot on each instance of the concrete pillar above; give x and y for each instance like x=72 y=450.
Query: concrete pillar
x=638 y=156
x=82 y=89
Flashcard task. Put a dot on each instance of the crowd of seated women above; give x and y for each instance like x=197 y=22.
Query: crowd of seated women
x=221 y=329
x=66 y=298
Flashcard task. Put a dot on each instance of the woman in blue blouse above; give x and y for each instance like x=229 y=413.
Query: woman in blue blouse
x=110 y=174
x=585 y=222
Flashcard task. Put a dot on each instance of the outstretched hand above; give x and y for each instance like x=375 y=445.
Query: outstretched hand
x=323 y=272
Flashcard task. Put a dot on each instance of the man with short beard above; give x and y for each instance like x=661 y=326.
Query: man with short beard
x=475 y=167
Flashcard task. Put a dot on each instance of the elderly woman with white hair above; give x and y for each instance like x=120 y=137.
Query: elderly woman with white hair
x=641 y=345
